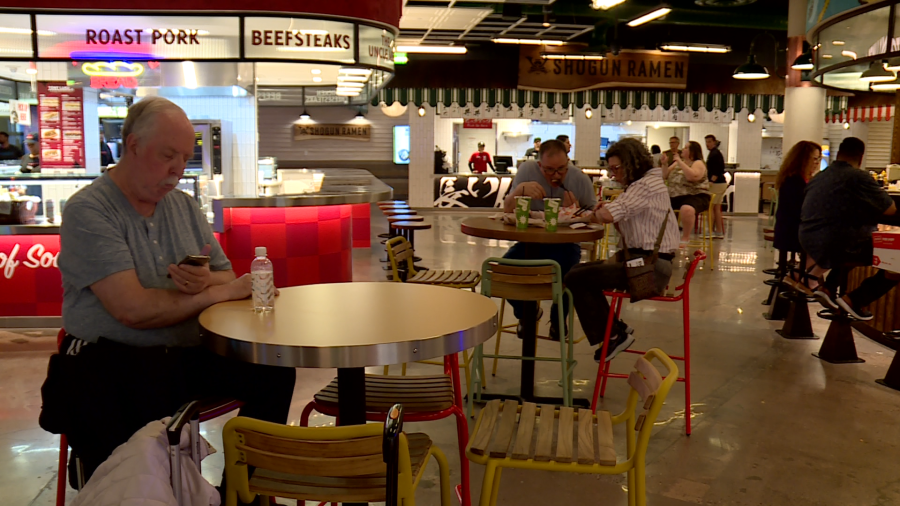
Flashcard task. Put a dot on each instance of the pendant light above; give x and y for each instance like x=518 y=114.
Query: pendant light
x=751 y=70
x=877 y=73
x=303 y=114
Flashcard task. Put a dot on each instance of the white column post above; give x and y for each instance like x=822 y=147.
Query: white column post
x=421 y=156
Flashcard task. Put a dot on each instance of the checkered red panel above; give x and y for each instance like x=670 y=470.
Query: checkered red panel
x=362 y=237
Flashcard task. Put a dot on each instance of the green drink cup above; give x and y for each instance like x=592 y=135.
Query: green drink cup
x=523 y=212
x=551 y=213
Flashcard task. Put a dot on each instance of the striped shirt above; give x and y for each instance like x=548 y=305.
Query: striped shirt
x=639 y=211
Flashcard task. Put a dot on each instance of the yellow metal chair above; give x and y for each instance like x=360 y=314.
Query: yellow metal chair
x=400 y=252
x=332 y=464
x=505 y=434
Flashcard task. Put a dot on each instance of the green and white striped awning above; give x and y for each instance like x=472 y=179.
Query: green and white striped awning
x=594 y=98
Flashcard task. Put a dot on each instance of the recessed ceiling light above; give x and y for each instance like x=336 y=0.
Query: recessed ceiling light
x=355 y=71
x=827 y=57
x=695 y=48
x=536 y=42
x=317 y=79
x=605 y=4
x=838 y=42
x=316 y=71
x=849 y=54
x=432 y=49
x=359 y=79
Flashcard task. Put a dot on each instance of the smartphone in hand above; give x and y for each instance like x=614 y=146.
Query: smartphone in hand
x=195 y=260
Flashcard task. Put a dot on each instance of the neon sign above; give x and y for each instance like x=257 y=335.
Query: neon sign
x=114 y=74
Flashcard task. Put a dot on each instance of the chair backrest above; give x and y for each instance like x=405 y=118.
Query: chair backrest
x=399 y=250
x=683 y=288
x=531 y=280
x=728 y=177
x=334 y=464
x=648 y=384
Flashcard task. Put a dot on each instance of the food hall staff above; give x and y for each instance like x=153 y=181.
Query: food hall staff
x=106 y=156
x=31 y=163
x=533 y=152
x=8 y=151
x=480 y=160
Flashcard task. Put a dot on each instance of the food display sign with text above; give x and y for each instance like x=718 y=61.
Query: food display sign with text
x=61 y=124
x=376 y=46
x=298 y=39
x=304 y=132
x=138 y=37
x=643 y=69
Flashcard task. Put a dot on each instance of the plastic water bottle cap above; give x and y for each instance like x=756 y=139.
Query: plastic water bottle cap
x=260 y=251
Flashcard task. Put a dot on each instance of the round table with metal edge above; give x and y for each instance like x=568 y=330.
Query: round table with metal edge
x=408 y=230
x=488 y=228
x=392 y=323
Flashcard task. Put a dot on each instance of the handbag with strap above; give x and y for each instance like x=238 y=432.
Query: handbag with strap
x=641 y=271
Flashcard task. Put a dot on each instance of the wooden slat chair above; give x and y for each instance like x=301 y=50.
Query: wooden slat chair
x=570 y=441
x=332 y=464
x=526 y=280
x=424 y=398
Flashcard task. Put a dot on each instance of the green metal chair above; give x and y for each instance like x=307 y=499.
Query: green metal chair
x=527 y=280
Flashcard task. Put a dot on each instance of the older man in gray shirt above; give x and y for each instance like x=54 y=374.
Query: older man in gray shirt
x=132 y=352
x=553 y=176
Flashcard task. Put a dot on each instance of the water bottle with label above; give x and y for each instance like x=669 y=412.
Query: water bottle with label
x=262 y=277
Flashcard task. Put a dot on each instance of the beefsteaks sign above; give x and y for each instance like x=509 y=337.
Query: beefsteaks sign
x=639 y=69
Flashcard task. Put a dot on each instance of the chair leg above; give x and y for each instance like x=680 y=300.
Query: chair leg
x=403 y=369
x=687 y=361
x=499 y=334
x=462 y=427
x=640 y=484
x=496 y=487
x=487 y=484
x=304 y=416
x=631 y=490
x=444 y=469
x=63 y=468
x=465 y=365
x=387 y=370
x=563 y=361
x=603 y=368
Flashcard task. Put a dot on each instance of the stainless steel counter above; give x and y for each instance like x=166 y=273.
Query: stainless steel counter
x=36 y=229
x=340 y=186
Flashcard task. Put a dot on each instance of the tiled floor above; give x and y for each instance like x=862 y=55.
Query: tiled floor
x=772 y=424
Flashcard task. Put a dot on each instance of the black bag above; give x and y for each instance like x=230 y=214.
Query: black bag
x=641 y=271
x=55 y=398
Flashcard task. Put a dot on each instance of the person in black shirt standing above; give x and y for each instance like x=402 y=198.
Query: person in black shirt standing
x=715 y=171
x=106 y=156
x=533 y=152
x=841 y=208
x=9 y=151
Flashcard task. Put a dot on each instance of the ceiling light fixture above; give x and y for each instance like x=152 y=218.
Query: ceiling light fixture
x=359 y=114
x=190 y=74
x=560 y=56
x=893 y=64
x=317 y=79
x=628 y=122
x=849 y=54
x=358 y=79
x=827 y=56
x=355 y=86
x=838 y=42
x=345 y=93
x=355 y=71
x=315 y=71
x=876 y=73
x=805 y=60
x=421 y=111
x=32 y=69
x=605 y=4
x=846 y=125
x=588 y=113
x=752 y=69
x=303 y=115
x=751 y=117
x=893 y=85
x=695 y=48
x=536 y=42
x=650 y=16
x=432 y=49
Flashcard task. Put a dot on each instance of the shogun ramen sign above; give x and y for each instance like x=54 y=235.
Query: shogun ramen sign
x=640 y=69
x=318 y=131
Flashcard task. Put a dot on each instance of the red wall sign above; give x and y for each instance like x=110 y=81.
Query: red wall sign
x=61 y=123
x=478 y=123
x=32 y=284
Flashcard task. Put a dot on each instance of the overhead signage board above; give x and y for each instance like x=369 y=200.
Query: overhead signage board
x=638 y=69
x=376 y=47
x=138 y=37
x=314 y=131
x=298 y=39
x=15 y=38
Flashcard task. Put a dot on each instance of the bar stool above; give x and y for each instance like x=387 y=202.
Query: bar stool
x=407 y=229
x=797 y=324
x=839 y=346
x=392 y=207
x=392 y=232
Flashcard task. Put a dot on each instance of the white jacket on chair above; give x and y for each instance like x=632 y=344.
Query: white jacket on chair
x=138 y=473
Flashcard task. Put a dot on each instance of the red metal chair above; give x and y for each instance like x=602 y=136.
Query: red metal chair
x=384 y=391
x=683 y=295
x=211 y=409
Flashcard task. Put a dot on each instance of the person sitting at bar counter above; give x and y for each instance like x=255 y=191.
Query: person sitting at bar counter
x=841 y=208
x=688 y=186
x=639 y=213
x=551 y=177
x=8 y=151
x=480 y=160
x=132 y=351
x=31 y=163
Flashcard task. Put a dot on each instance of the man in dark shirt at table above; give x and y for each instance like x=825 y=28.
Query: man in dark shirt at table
x=9 y=151
x=551 y=177
x=841 y=209
x=132 y=352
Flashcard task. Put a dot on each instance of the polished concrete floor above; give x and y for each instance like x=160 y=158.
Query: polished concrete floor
x=772 y=425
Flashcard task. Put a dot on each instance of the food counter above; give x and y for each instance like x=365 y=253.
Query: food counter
x=309 y=237
x=886 y=309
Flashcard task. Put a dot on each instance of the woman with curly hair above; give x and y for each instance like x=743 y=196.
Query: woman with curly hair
x=800 y=164
x=639 y=213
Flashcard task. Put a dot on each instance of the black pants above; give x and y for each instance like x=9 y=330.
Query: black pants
x=114 y=390
x=870 y=290
x=587 y=282
x=566 y=255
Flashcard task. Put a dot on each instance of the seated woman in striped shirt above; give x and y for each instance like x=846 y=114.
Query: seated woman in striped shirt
x=638 y=213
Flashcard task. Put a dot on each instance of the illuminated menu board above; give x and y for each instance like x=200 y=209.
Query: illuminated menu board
x=61 y=123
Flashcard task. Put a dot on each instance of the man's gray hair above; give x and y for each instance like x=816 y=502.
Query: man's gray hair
x=142 y=115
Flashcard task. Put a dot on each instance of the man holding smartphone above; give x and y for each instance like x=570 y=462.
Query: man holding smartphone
x=132 y=354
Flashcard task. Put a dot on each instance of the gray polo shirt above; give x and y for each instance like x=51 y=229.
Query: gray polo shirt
x=103 y=234
x=575 y=181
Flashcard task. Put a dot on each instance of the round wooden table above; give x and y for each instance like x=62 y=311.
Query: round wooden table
x=351 y=326
x=495 y=229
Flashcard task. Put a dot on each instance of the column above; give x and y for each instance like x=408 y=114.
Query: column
x=421 y=156
x=587 y=138
x=804 y=105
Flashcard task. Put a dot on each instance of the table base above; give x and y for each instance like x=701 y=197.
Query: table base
x=352 y=399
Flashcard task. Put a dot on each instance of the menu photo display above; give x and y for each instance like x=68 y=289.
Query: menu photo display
x=61 y=125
